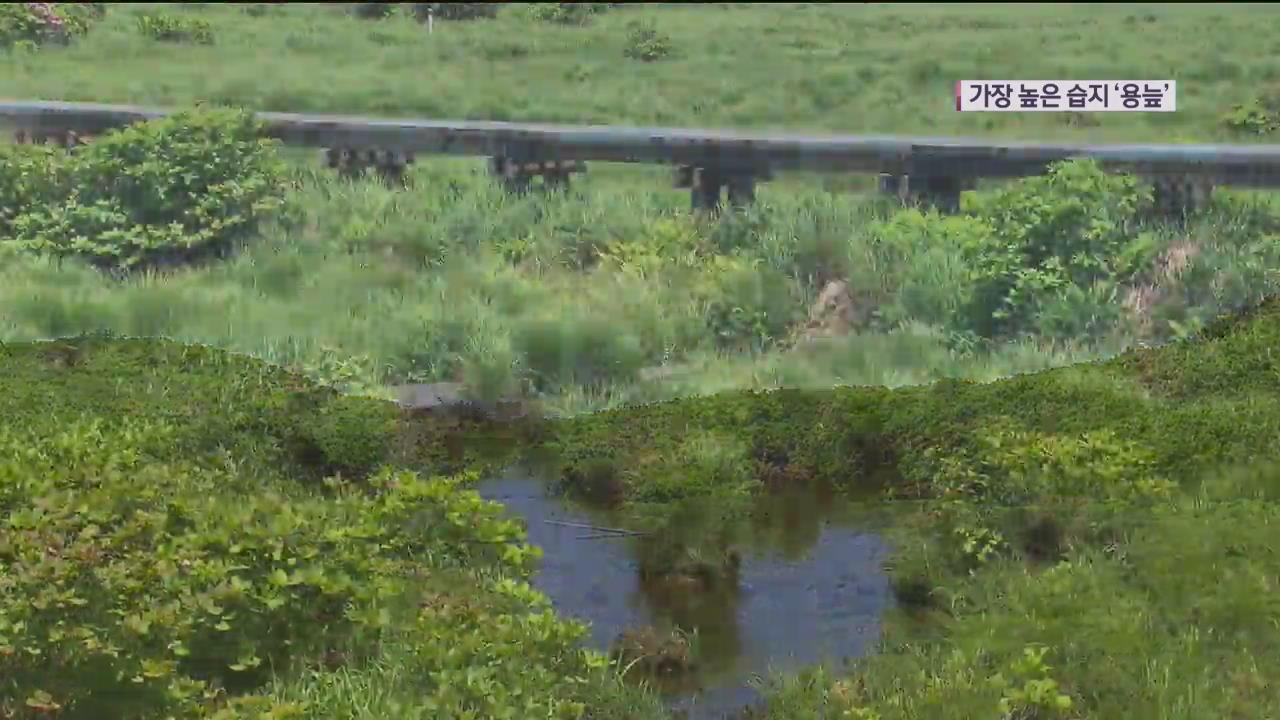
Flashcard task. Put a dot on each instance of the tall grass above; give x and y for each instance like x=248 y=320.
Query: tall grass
x=565 y=296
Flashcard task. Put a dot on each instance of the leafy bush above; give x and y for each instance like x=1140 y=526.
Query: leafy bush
x=1252 y=118
x=138 y=587
x=749 y=305
x=566 y=13
x=1038 y=695
x=175 y=189
x=1074 y=226
x=38 y=23
x=30 y=177
x=171 y=28
x=1016 y=468
x=670 y=242
x=1259 y=116
x=645 y=43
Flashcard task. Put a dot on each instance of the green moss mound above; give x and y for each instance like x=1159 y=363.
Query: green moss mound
x=190 y=533
x=1193 y=406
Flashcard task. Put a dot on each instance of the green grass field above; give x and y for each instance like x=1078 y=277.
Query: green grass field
x=872 y=68
x=1133 y=475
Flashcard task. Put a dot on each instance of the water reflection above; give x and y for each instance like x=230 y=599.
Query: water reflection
x=790 y=585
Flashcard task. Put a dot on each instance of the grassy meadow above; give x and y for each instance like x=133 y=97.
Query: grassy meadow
x=1090 y=541
x=871 y=68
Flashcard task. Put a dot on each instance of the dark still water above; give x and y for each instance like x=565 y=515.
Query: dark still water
x=807 y=586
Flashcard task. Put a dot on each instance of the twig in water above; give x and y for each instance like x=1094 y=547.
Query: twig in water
x=615 y=534
x=597 y=528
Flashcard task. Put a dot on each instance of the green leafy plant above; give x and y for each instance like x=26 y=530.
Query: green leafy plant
x=748 y=305
x=934 y=284
x=1017 y=468
x=1251 y=118
x=159 y=193
x=1258 y=116
x=566 y=13
x=137 y=587
x=1030 y=692
x=171 y=28
x=1067 y=228
x=645 y=43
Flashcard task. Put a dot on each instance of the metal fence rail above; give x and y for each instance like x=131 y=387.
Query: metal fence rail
x=932 y=169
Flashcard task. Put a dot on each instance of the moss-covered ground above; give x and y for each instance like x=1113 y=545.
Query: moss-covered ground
x=1094 y=540
x=194 y=533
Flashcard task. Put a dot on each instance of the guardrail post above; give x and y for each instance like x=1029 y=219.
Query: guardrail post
x=510 y=174
x=353 y=162
x=742 y=191
x=1177 y=196
x=516 y=176
x=62 y=138
x=937 y=191
x=705 y=186
x=895 y=185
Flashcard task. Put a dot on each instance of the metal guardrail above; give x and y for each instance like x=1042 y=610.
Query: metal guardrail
x=708 y=160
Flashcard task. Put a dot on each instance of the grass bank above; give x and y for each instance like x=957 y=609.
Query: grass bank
x=614 y=295
x=610 y=294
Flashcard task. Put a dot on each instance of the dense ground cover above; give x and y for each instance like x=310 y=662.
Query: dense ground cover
x=177 y=544
x=1090 y=541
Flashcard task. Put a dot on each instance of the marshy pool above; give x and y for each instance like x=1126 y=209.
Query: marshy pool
x=805 y=585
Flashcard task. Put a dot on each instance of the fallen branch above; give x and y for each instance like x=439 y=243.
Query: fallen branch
x=616 y=534
x=597 y=528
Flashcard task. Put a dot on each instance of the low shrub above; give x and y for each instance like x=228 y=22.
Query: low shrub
x=749 y=305
x=1259 y=116
x=39 y=23
x=1071 y=227
x=645 y=43
x=171 y=28
x=566 y=13
x=158 y=193
x=1045 y=255
x=138 y=587
x=1252 y=118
